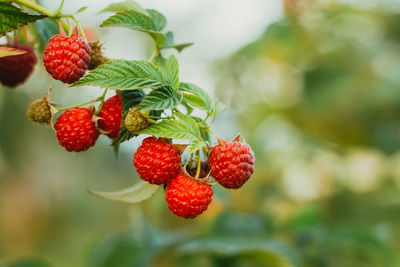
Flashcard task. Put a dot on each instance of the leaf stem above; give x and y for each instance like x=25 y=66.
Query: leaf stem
x=154 y=54
x=212 y=132
x=55 y=15
x=198 y=165
x=101 y=98
x=161 y=118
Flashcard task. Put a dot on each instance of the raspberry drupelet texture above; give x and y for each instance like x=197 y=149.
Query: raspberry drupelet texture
x=156 y=162
x=186 y=197
x=231 y=164
x=75 y=129
x=15 y=70
x=66 y=58
x=111 y=115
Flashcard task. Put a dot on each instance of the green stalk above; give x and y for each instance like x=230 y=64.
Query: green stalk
x=51 y=14
x=198 y=165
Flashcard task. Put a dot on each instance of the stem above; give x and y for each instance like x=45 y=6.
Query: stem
x=60 y=7
x=198 y=165
x=101 y=98
x=161 y=118
x=51 y=14
x=36 y=7
x=78 y=105
x=154 y=54
x=212 y=132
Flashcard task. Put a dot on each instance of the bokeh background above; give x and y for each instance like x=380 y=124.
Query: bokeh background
x=314 y=86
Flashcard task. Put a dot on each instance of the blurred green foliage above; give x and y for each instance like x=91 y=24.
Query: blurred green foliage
x=318 y=98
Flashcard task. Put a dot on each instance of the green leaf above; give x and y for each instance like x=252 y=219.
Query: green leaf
x=12 y=18
x=206 y=101
x=188 y=108
x=160 y=99
x=170 y=43
x=170 y=70
x=135 y=20
x=171 y=129
x=129 y=99
x=190 y=123
x=122 y=6
x=271 y=253
x=124 y=75
x=81 y=9
x=135 y=194
x=159 y=19
x=9 y=51
x=195 y=146
x=195 y=101
x=218 y=107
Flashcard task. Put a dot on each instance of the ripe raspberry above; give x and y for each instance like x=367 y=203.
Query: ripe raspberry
x=111 y=115
x=15 y=70
x=231 y=164
x=39 y=111
x=156 y=162
x=187 y=197
x=135 y=121
x=66 y=58
x=75 y=129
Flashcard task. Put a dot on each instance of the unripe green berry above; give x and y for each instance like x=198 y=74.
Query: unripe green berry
x=96 y=56
x=39 y=111
x=135 y=121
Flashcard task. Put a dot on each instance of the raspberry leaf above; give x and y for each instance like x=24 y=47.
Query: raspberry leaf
x=124 y=75
x=170 y=43
x=121 y=6
x=159 y=19
x=170 y=70
x=9 y=51
x=138 y=21
x=160 y=99
x=135 y=194
x=195 y=101
x=190 y=123
x=218 y=107
x=175 y=129
x=205 y=104
x=12 y=18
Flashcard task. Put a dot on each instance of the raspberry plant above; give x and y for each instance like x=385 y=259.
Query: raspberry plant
x=149 y=99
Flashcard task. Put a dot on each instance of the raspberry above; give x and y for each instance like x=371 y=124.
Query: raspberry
x=111 y=115
x=156 y=162
x=96 y=56
x=135 y=121
x=187 y=197
x=66 y=58
x=231 y=164
x=15 y=70
x=75 y=129
x=39 y=111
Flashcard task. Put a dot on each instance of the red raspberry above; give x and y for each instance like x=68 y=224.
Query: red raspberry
x=66 y=58
x=15 y=70
x=156 y=162
x=75 y=129
x=187 y=197
x=111 y=115
x=231 y=164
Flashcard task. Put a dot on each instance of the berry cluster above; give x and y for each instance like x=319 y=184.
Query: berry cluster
x=157 y=162
x=149 y=105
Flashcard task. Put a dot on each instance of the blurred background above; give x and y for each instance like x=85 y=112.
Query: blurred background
x=314 y=86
